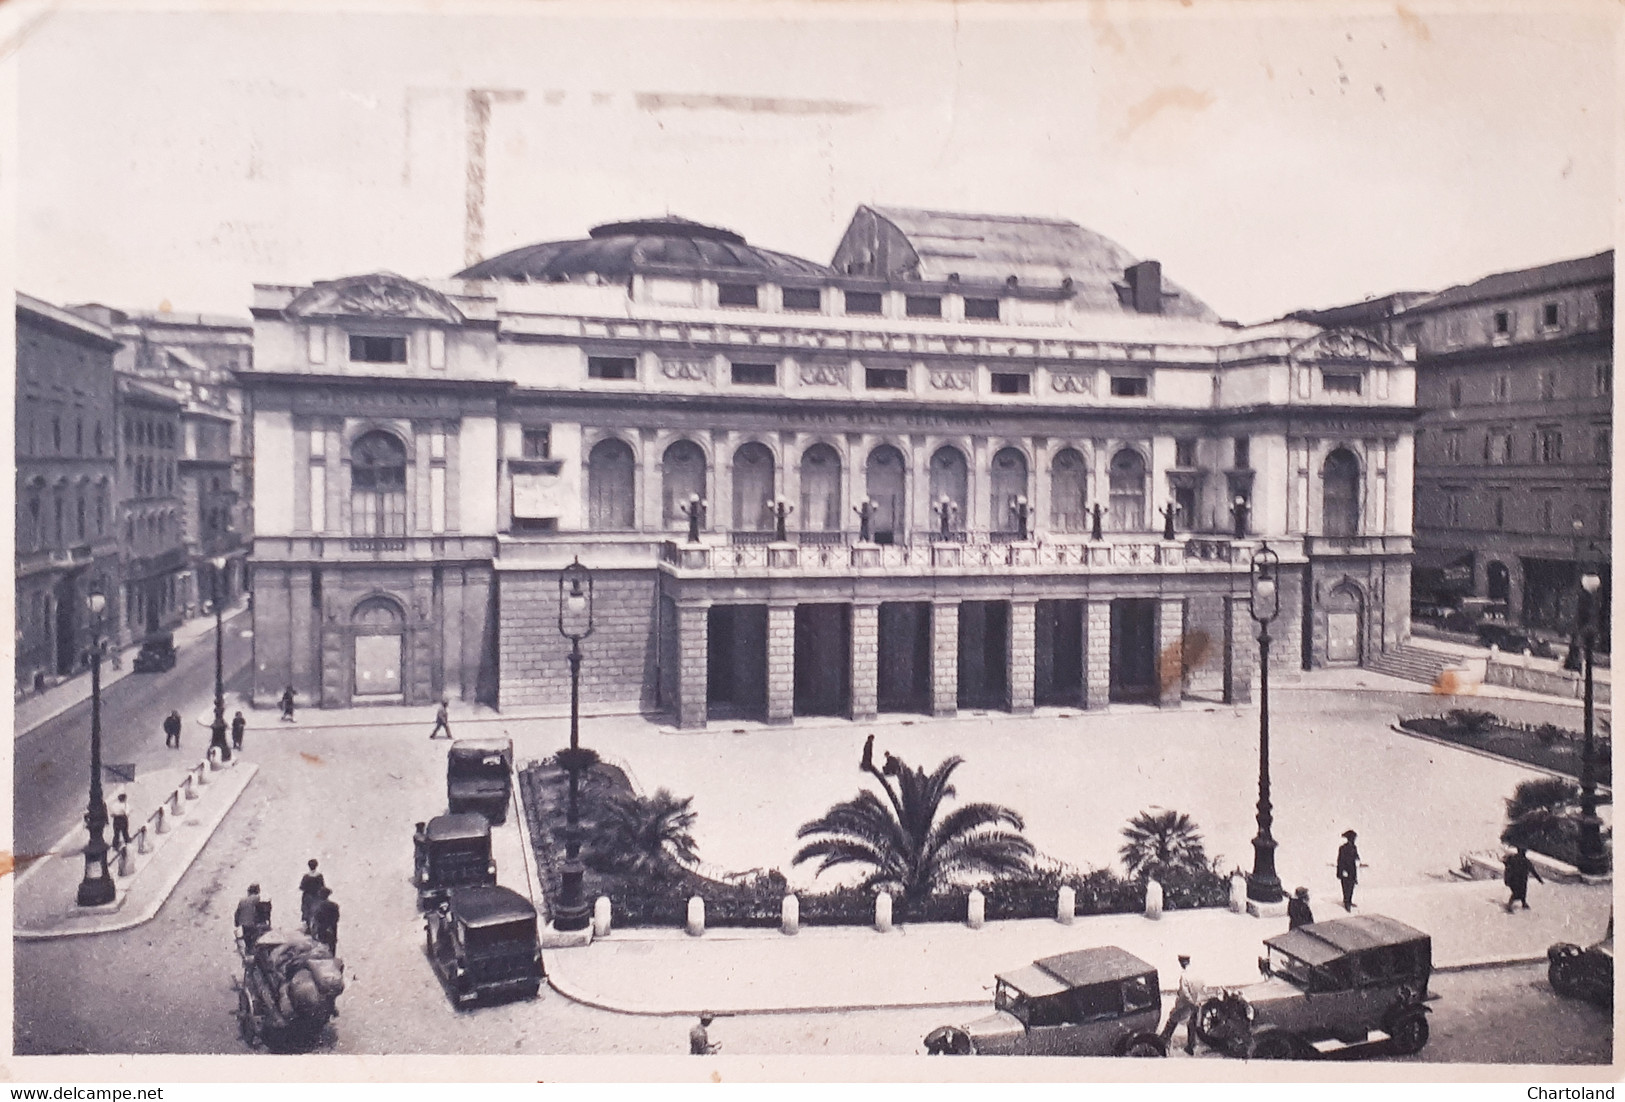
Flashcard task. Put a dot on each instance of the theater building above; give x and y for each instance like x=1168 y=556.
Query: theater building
x=899 y=461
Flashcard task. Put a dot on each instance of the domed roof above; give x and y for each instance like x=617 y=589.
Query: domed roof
x=615 y=250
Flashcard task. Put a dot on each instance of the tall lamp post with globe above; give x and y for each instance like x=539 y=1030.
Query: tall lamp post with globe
x=1592 y=859
x=97 y=888
x=575 y=624
x=1264 y=886
x=217 y=729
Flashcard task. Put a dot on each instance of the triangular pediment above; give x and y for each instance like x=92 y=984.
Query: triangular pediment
x=378 y=295
x=1345 y=344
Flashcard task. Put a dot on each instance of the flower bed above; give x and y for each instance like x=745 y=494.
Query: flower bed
x=755 y=899
x=1546 y=745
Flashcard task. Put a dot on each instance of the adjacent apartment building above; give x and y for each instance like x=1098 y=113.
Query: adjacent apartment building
x=973 y=462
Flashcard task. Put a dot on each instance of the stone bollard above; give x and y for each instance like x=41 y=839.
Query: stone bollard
x=126 y=863
x=790 y=915
x=696 y=916
x=161 y=821
x=189 y=788
x=883 y=912
x=203 y=768
x=1238 y=894
x=143 y=845
x=1153 y=899
x=1066 y=905
x=975 y=909
x=601 y=913
x=213 y=758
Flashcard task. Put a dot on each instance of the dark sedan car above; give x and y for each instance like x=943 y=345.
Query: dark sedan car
x=1584 y=973
x=157 y=654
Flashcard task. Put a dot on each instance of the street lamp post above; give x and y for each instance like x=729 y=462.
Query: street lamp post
x=1264 y=886
x=1592 y=858
x=217 y=729
x=1023 y=513
x=575 y=624
x=694 y=511
x=97 y=888
x=1239 y=508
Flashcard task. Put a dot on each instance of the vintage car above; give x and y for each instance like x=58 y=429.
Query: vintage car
x=482 y=943
x=1343 y=985
x=451 y=851
x=1091 y=1002
x=479 y=777
x=1584 y=973
x=157 y=654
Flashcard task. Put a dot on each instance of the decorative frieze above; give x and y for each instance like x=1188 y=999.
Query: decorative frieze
x=1072 y=382
x=951 y=380
x=686 y=370
x=822 y=374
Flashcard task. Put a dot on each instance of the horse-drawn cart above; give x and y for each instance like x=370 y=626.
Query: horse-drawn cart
x=289 y=989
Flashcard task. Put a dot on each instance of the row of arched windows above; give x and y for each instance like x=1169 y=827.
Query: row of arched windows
x=824 y=508
x=60 y=519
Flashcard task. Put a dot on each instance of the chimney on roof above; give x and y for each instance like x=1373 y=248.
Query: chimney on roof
x=1145 y=286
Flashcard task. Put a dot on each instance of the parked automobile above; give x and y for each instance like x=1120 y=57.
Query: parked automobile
x=451 y=851
x=157 y=654
x=1584 y=973
x=1353 y=983
x=482 y=943
x=1090 y=1002
x=479 y=777
x=1511 y=640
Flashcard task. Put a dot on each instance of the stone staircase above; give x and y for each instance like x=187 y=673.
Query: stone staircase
x=1414 y=663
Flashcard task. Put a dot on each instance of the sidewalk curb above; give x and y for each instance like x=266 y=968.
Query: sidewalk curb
x=122 y=921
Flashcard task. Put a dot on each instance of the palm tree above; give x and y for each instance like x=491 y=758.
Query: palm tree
x=1541 y=814
x=1159 y=839
x=645 y=838
x=902 y=840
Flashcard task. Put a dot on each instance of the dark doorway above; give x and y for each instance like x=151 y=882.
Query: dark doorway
x=823 y=660
x=67 y=627
x=905 y=657
x=984 y=632
x=1134 y=650
x=1498 y=580
x=1058 y=654
x=736 y=662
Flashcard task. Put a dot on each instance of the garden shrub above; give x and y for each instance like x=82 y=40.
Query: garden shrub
x=1471 y=721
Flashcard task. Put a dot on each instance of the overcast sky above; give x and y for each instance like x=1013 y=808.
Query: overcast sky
x=1271 y=157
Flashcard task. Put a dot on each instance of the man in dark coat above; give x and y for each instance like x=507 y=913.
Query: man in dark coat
x=238 y=726
x=442 y=721
x=287 y=704
x=247 y=918
x=324 y=920
x=311 y=886
x=1297 y=910
x=172 y=730
x=1516 y=877
x=1348 y=868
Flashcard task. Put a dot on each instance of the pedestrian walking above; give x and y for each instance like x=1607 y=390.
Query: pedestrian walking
x=1297 y=910
x=442 y=721
x=172 y=730
x=287 y=704
x=121 y=819
x=1348 y=868
x=1516 y=877
x=1187 y=1002
x=324 y=918
x=238 y=726
x=250 y=920
x=699 y=1038
x=311 y=886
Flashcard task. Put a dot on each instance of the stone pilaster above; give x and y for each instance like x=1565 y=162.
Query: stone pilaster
x=865 y=661
x=1238 y=652
x=781 y=662
x=304 y=638
x=944 y=658
x=1023 y=657
x=693 y=639
x=1097 y=653
x=1170 y=651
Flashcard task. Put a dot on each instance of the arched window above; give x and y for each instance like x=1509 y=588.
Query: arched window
x=1068 y=492
x=100 y=441
x=36 y=530
x=949 y=479
x=682 y=476
x=609 y=486
x=1128 y=491
x=753 y=488
x=1340 y=494
x=821 y=489
x=377 y=613
x=378 y=485
x=1009 y=483
x=884 y=478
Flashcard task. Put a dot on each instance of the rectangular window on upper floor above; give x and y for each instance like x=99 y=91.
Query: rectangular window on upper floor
x=1130 y=386
x=810 y=299
x=1503 y=323
x=1185 y=452
x=612 y=367
x=377 y=350
x=1341 y=384
x=1501 y=388
x=1012 y=382
x=756 y=374
x=886 y=378
x=1549 y=444
x=1605 y=307
x=982 y=309
x=1452 y=447
x=1548 y=385
x=536 y=443
x=1551 y=315
x=736 y=294
x=862 y=302
x=1602 y=449
x=1455 y=393
x=1243 y=453
x=923 y=306
x=1602 y=380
